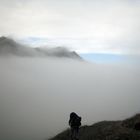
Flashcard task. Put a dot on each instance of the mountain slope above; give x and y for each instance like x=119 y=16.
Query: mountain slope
x=10 y=47
x=128 y=129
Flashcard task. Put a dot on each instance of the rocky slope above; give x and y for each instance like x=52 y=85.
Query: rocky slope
x=128 y=129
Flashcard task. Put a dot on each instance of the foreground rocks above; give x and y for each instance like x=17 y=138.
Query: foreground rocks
x=128 y=129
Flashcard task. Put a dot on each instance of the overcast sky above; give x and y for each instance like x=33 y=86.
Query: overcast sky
x=97 y=25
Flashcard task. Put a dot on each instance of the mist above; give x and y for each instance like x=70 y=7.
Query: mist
x=38 y=94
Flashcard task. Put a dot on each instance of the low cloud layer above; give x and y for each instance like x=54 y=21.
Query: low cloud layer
x=37 y=95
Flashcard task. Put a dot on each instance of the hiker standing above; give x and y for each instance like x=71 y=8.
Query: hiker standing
x=75 y=123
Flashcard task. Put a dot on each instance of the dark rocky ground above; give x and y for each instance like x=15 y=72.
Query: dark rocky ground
x=128 y=129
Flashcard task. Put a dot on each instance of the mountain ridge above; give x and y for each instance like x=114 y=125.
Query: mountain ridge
x=128 y=129
x=10 y=47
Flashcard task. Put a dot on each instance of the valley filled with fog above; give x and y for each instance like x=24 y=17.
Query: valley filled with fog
x=63 y=56
x=38 y=94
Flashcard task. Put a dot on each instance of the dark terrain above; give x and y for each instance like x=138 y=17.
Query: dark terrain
x=9 y=47
x=128 y=129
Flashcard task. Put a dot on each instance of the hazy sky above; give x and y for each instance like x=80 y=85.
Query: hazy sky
x=98 y=25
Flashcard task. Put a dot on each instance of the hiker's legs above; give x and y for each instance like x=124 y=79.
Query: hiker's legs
x=77 y=133
x=74 y=133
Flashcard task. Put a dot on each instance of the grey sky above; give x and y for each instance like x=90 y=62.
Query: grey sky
x=113 y=25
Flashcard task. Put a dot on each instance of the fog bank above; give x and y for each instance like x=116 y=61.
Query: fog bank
x=37 y=95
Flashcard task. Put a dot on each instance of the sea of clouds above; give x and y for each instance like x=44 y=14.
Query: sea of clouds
x=38 y=94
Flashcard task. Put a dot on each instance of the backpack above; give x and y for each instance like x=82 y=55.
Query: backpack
x=78 y=121
x=75 y=120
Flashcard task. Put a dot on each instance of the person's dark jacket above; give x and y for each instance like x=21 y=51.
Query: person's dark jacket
x=75 y=120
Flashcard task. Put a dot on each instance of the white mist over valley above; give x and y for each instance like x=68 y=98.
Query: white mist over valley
x=37 y=94
x=63 y=56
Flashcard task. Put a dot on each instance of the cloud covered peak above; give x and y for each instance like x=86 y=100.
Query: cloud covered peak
x=10 y=47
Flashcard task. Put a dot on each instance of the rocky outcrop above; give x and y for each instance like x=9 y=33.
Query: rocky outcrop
x=107 y=130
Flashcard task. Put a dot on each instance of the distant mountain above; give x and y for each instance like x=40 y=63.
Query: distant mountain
x=10 y=47
x=128 y=129
x=58 y=52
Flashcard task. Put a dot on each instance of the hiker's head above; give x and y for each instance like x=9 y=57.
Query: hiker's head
x=73 y=114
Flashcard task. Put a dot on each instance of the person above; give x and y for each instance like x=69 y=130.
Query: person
x=75 y=123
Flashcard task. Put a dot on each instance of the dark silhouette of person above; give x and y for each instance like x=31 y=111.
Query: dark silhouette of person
x=75 y=123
